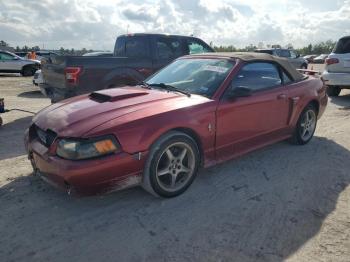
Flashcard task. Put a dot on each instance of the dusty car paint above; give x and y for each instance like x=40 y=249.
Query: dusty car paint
x=137 y=117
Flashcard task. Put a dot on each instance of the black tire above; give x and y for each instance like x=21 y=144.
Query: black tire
x=333 y=90
x=28 y=71
x=303 y=66
x=152 y=182
x=298 y=138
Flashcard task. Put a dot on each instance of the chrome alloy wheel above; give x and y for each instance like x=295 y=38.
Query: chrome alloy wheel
x=308 y=125
x=175 y=166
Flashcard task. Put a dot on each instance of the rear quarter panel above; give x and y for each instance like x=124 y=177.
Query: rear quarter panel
x=53 y=72
x=310 y=90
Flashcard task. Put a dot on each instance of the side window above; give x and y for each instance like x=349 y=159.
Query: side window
x=284 y=53
x=136 y=47
x=257 y=76
x=293 y=54
x=119 y=49
x=4 y=57
x=168 y=48
x=195 y=47
x=286 y=79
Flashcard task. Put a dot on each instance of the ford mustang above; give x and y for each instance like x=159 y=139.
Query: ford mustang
x=198 y=111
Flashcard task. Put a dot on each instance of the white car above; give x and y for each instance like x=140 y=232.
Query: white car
x=337 y=71
x=38 y=78
x=12 y=63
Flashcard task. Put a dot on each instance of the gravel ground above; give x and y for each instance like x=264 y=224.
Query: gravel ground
x=280 y=203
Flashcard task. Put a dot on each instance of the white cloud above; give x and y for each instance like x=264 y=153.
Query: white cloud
x=95 y=24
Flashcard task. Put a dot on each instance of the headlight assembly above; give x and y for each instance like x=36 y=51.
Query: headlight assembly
x=77 y=149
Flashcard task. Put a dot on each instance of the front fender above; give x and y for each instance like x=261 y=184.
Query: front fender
x=138 y=131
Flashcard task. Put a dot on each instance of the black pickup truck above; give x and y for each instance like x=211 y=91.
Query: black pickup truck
x=136 y=56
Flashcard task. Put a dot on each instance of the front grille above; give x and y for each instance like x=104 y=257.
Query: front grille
x=45 y=137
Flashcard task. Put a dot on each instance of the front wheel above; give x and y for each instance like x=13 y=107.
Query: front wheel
x=172 y=165
x=28 y=71
x=306 y=126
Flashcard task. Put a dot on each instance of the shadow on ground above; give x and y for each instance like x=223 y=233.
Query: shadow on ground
x=10 y=75
x=32 y=94
x=261 y=207
x=15 y=130
x=342 y=100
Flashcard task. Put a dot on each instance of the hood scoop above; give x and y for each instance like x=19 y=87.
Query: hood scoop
x=112 y=95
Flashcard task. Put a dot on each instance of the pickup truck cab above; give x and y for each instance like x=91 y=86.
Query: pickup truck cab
x=12 y=63
x=135 y=57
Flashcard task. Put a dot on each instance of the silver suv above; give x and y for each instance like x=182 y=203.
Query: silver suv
x=11 y=63
x=337 y=70
x=294 y=58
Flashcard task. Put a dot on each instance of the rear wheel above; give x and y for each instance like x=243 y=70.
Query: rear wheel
x=172 y=165
x=306 y=126
x=333 y=90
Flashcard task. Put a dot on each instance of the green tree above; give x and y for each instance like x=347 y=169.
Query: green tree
x=3 y=43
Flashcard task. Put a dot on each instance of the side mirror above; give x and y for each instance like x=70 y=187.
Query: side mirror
x=298 y=55
x=240 y=91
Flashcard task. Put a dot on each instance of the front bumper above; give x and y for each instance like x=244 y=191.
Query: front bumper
x=336 y=79
x=85 y=177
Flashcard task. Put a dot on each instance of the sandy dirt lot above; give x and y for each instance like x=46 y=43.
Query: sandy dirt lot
x=280 y=203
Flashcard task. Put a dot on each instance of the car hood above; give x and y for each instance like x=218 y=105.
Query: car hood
x=76 y=116
x=31 y=60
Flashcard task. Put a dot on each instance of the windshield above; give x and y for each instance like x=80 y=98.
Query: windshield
x=195 y=75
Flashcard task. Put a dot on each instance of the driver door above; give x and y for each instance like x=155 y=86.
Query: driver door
x=248 y=122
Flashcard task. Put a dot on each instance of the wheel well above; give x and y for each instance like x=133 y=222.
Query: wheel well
x=31 y=66
x=25 y=66
x=316 y=104
x=196 y=138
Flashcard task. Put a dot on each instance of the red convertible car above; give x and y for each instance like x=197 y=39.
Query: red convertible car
x=198 y=111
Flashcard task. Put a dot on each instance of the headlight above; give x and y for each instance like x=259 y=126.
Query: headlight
x=87 y=148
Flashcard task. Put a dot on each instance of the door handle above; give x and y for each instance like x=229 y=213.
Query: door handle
x=282 y=96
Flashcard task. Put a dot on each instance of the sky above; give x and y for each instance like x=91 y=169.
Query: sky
x=95 y=24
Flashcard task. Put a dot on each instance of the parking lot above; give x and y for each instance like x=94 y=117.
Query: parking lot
x=283 y=202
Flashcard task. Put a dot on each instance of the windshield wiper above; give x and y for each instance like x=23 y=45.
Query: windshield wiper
x=144 y=85
x=171 y=88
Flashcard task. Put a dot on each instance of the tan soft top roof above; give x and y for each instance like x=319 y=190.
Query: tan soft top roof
x=250 y=56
